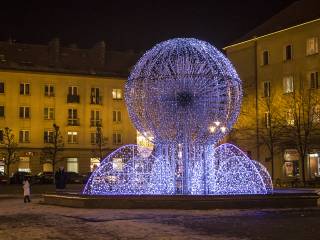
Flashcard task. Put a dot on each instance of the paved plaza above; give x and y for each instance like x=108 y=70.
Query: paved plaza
x=39 y=221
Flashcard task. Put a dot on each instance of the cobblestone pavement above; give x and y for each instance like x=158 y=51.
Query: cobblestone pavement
x=38 y=221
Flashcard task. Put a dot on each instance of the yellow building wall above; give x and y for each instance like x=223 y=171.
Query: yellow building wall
x=37 y=101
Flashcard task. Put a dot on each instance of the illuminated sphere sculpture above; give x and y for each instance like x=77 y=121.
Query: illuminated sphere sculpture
x=182 y=89
x=184 y=96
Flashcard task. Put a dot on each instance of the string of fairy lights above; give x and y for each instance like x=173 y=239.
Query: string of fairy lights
x=184 y=96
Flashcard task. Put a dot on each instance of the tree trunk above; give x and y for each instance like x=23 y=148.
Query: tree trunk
x=8 y=173
x=303 y=176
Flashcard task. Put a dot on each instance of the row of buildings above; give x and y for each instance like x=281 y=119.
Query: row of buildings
x=76 y=89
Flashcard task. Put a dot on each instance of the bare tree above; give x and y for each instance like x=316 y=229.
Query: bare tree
x=9 y=150
x=99 y=143
x=303 y=125
x=53 y=147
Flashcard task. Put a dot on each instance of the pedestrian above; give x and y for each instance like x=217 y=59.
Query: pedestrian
x=26 y=190
x=60 y=178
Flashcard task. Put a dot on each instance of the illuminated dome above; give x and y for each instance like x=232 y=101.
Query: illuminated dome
x=181 y=89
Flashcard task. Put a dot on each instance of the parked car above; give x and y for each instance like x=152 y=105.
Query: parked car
x=73 y=177
x=17 y=177
x=3 y=178
x=44 y=177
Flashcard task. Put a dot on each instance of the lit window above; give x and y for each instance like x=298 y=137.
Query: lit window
x=49 y=90
x=116 y=138
x=24 y=164
x=288 y=84
x=287 y=53
x=24 y=88
x=24 y=112
x=72 y=137
x=265 y=58
x=24 y=136
x=267 y=119
x=312 y=45
x=49 y=113
x=94 y=163
x=116 y=116
x=116 y=94
x=266 y=89
x=314 y=80
x=72 y=165
x=290 y=118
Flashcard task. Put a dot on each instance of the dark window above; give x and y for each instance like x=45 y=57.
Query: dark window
x=24 y=112
x=288 y=52
x=314 y=80
x=1 y=111
x=265 y=57
x=1 y=87
x=1 y=135
x=24 y=88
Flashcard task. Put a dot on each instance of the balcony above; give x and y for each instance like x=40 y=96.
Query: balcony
x=73 y=122
x=95 y=122
x=73 y=98
x=96 y=100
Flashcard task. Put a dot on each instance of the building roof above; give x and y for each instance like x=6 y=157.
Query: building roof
x=299 y=12
x=72 y=60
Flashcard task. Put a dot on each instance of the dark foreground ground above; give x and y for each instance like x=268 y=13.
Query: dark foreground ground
x=38 y=221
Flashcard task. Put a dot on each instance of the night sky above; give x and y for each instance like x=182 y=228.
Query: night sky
x=134 y=25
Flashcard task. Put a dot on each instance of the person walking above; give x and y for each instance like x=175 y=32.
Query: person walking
x=26 y=190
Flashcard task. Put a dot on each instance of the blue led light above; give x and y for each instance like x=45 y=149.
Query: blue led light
x=183 y=95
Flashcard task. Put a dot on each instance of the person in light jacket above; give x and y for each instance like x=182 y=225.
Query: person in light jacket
x=26 y=190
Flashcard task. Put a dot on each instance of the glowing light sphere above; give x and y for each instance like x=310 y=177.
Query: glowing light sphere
x=182 y=89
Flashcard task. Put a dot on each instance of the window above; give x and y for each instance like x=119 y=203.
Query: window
x=94 y=163
x=94 y=138
x=117 y=94
x=267 y=119
x=288 y=53
x=95 y=118
x=116 y=138
x=48 y=136
x=312 y=45
x=95 y=97
x=116 y=116
x=266 y=89
x=24 y=112
x=1 y=111
x=314 y=80
x=24 y=164
x=265 y=57
x=316 y=114
x=49 y=90
x=1 y=87
x=1 y=135
x=48 y=113
x=73 y=96
x=73 y=90
x=290 y=118
x=73 y=117
x=72 y=165
x=288 y=84
x=24 y=136
x=24 y=88
x=72 y=137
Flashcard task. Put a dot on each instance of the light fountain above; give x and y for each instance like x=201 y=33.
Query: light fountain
x=183 y=95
